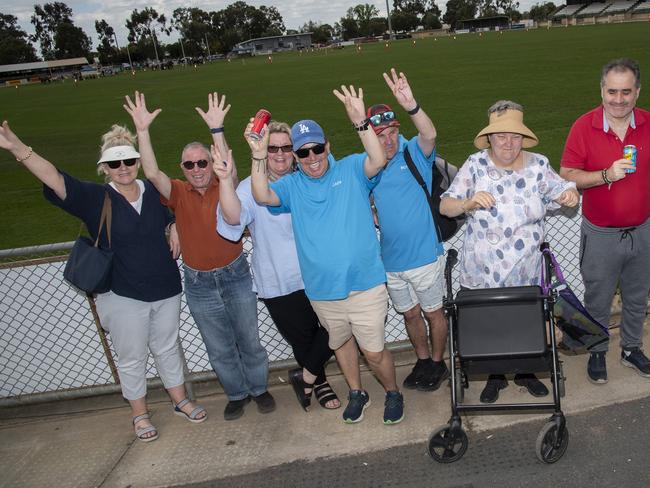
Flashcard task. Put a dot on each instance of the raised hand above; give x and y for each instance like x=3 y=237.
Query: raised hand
x=222 y=164
x=401 y=89
x=259 y=147
x=353 y=103
x=137 y=109
x=217 y=110
x=9 y=140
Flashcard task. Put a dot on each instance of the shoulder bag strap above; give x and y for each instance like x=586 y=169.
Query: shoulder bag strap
x=107 y=214
x=418 y=177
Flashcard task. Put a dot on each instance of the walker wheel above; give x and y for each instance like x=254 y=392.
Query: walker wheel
x=447 y=446
x=548 y=447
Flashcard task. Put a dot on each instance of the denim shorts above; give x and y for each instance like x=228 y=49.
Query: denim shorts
x=423 y=285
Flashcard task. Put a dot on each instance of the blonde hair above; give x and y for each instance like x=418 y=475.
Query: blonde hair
x=117 y=136
x=276 y=126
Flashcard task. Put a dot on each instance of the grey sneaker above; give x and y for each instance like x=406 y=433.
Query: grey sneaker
x=597 y=368
x=634 y=358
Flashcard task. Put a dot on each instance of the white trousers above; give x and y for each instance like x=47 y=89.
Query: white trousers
x=136 y=327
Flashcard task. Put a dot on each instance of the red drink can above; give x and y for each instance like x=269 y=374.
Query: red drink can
x=629 y=152
x=262 y=118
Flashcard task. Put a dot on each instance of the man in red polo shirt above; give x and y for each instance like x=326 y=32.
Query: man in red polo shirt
x=615 y=232
x=218 y=284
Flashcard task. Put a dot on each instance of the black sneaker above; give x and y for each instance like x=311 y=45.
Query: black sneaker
x=265 y=402
x=532 y=384
x=634 y=358
x=411 y=381
x=433 y=376
x=490 y=393
x=393 y=408
x=358 y=401
x=597 y=368
x=235 y=408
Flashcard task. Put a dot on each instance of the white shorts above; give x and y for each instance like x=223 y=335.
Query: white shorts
x=423 y=286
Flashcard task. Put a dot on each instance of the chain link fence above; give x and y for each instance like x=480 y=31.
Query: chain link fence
x=49 y=340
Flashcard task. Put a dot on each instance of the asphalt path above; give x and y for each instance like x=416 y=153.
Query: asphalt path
x=608 y=447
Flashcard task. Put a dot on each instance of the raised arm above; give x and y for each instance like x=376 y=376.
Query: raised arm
x=403 y=94
x=39 y=167
x=223 y=166
x=262 y=193
x=353 y=102
x=142 y=119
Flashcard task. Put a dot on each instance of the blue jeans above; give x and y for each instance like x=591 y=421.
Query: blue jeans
x=224 y=308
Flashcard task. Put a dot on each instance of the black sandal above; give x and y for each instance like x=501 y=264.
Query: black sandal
x=324 y=394
x=299 y=386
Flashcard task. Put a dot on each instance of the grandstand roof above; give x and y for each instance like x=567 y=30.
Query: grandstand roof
x=40 y=65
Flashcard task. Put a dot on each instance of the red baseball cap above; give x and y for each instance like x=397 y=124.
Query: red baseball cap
x=382 y=122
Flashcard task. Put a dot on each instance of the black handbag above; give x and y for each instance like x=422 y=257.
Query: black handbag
x=89 y=267
x=442 y=174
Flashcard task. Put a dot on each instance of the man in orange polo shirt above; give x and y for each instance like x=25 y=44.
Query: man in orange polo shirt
x=218 y=284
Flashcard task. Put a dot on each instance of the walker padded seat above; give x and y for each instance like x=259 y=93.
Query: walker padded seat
x=502 y=330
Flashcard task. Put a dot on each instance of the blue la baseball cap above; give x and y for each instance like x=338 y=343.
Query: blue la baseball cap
x=306 y=131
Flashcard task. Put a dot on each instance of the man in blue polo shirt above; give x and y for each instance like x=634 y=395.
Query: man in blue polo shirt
x=410 y=248
x=337 y=246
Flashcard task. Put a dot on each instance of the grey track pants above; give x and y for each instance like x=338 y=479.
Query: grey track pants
x=617 y=256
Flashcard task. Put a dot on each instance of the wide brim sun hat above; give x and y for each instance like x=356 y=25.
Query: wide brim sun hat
x=510 y=120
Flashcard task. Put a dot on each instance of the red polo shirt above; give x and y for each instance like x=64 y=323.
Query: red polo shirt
x=196 y=221
x=627 y=202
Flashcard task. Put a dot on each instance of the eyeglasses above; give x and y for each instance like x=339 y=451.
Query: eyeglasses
x=382 y=117
x=118 y=163
x=304 y=151
x=189 y=165
x=285 y=149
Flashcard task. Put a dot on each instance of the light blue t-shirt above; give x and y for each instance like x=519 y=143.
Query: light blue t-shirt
x=274 y=261
x=408 y=236
x=337 y=244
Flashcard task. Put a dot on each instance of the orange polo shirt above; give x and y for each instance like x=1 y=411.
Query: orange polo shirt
x=196 y=222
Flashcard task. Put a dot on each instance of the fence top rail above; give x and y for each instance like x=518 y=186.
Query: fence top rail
x=41 y=249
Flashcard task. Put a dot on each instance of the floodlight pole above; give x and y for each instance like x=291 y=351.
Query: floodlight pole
x=128 y=53
x=155 y=48
x=390 y=26
x=183 y=51
x=117 y=46
x=207 y=46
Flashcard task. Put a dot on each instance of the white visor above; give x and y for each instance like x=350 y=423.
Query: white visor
x=118 y=153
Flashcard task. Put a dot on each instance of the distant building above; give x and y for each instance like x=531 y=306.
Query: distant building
x=268 y=45
x=39 y=71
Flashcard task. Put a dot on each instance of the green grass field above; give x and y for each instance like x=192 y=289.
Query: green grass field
x=553 y=73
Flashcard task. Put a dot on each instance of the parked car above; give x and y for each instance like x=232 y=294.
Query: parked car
x=89 y=72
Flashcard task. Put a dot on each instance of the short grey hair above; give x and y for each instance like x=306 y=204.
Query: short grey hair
x=621 y=65
x=193 y=145
x=503 y=105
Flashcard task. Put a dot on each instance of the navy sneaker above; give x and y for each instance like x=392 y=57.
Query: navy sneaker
x=597 y=368
x=393 y=408
x=635 y=359
x=358 y=401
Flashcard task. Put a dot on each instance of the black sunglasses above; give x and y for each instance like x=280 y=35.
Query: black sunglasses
x=285 y=149
x=303 y=152
x=118 y=163
x=189 y=165
x=382 y=117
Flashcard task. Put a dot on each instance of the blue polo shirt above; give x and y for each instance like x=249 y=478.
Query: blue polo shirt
x=335 y=236
x=408 y=236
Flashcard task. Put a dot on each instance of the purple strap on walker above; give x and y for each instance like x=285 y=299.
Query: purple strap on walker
x=546 y=288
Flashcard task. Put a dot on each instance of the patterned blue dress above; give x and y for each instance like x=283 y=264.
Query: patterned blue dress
x=501 y=244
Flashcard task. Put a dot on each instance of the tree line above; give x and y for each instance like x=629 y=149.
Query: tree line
x=202 y=32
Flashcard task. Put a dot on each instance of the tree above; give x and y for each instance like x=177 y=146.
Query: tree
x=377 y=26
x=46 y=20
x=431 y=21
x=542 y=11
x=321 y=33
x=363 y=14
x=458 y=10
x=144 y=25
x=349 y=29
x=509 y=8
x=487 y=8
x=14 y=42
x=193 y=24
x=71 y=41
x=404 y=21
x=107 y=53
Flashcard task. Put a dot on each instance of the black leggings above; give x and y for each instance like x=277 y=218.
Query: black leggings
x=297 y=322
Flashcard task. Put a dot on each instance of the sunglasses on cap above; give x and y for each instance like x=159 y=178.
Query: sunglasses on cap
x=285 y=149
x=381 y=118
x=303 y=152
x=118 y=163
x=189 y=165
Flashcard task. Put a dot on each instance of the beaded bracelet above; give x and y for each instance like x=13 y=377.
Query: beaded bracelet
x=27 y=156
x=603 y=173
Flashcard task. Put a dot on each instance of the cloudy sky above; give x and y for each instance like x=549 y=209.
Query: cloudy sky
x=294 y=12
